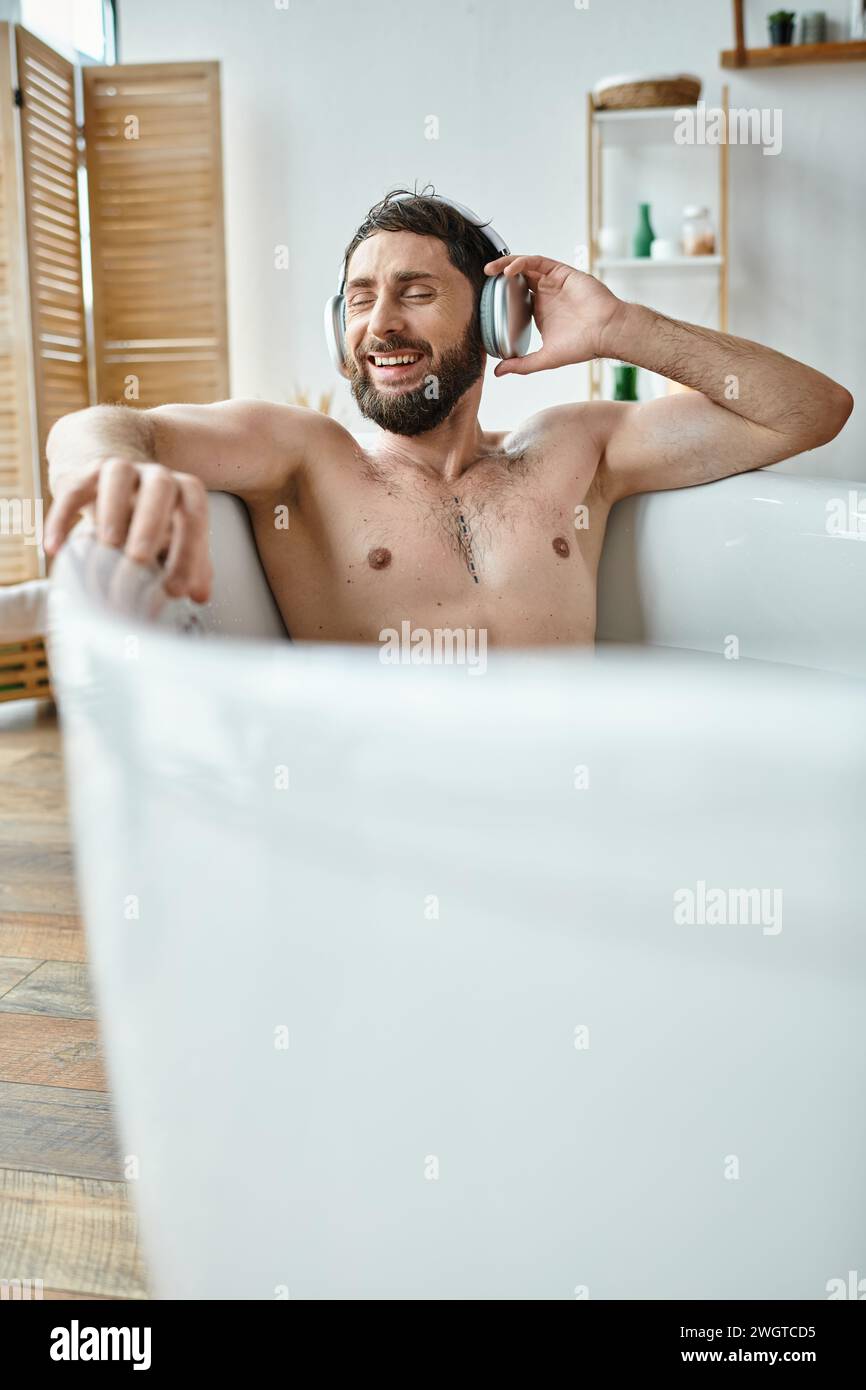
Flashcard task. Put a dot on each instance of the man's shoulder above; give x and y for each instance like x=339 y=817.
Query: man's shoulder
x=289 y=420
x=570 y=420
x=571 y=435
x=294 y=434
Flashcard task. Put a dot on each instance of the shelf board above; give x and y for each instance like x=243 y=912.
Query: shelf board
x=850 y=51
x=638 y=113
x=647 y=263
x=652 y=125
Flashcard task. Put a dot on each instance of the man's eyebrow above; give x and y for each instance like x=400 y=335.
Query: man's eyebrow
x=365 y=282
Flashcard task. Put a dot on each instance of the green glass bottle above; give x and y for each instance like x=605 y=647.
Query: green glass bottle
x=625 y=382
x=644 y=234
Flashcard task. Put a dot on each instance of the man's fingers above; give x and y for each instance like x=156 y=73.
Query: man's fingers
x=515 y=265
x=522 y=366
x=199 y=587
x=532 y=267
x=115 y=499
x=496 y=266
x=187 y=566
x=196 y=503
x=153 y=514
x=201 y=579
x=156 y=499
x=67 y=503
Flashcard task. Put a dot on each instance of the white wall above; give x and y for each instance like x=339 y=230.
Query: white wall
x=324 y=108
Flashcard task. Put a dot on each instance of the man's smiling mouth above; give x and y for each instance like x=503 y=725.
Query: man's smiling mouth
x=393 y=366
x=393 y=358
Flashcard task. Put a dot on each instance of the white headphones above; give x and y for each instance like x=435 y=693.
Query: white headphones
x=506 y=310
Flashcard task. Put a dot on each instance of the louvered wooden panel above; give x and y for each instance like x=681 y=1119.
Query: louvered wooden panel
x=24 y=673
x=50 y=165
x=18 y=560
x=154 y=159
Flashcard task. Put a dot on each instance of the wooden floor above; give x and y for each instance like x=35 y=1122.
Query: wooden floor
x=65 y=1211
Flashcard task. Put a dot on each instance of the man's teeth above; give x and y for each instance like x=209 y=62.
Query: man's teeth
x=395 y=361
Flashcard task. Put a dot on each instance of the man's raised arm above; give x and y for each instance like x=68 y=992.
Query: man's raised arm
x=755 y=407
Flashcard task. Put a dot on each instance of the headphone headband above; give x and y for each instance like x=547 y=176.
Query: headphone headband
x=498 y=245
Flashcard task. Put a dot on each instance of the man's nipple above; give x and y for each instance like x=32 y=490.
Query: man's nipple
x=379 y=559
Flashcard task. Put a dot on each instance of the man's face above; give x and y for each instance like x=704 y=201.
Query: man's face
x=405 y=298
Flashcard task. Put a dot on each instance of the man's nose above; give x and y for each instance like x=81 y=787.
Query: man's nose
x=386 y=320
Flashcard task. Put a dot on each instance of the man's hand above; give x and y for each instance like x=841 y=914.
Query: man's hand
x=572 y=311
x=150 y=512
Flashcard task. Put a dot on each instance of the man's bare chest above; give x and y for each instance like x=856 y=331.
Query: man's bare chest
x=477 y=529
x=511 y=547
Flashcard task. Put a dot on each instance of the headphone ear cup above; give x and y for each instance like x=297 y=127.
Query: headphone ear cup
x=488 y=317
x=335 y=331
x=506 y=316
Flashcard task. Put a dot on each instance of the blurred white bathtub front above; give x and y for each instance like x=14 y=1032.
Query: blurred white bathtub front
x=395 y=990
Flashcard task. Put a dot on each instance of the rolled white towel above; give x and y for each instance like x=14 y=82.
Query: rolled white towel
x=23 y=610
x=96 y=572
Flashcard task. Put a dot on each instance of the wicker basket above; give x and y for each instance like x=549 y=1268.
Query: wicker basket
x=636 y=93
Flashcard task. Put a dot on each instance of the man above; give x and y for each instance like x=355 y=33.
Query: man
x=440 y=522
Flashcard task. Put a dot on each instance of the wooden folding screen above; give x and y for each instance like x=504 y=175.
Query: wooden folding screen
x=49 y=159
x=154 y=168
x=18 y=560
x=23 y=665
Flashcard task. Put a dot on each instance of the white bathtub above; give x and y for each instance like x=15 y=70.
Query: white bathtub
x=507 y=1070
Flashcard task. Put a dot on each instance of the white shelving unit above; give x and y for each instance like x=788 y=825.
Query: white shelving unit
x=652 y=126
x=650 y=263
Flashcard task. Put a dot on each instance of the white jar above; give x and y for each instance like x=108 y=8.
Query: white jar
x=661 y=249
x=699 y=237
x=611 y=242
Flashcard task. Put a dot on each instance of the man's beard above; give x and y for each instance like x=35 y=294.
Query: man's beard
x=431 y=402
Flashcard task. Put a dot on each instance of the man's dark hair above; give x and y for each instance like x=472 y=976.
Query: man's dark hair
x=468 y=248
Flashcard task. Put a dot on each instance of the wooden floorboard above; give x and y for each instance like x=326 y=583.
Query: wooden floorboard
x=41 y=936
x=72 y=1233
x=66 y=1295
x=57 y=1129
x=13 y=971
x=49 y=1051
x=65 y=1212
x=56 y=987
x=36 y=877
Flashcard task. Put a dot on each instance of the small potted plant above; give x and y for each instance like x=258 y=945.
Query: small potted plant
x=781 y=24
